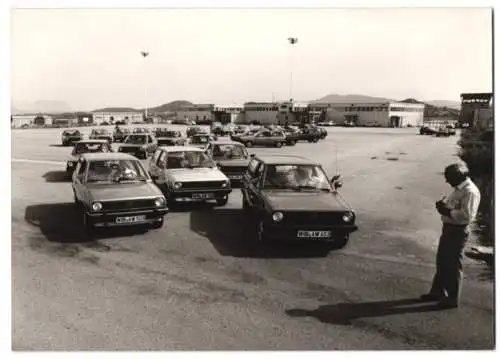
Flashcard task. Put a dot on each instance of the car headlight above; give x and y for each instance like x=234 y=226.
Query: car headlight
x=348 y=217
x=160 y=202
x=225 y=184
x=177 y=185
x=96 y=206
x=277 y=216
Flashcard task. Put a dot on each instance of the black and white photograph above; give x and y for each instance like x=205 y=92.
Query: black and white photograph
x=251 y=178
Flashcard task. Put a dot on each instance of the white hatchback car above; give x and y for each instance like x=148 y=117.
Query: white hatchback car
x=188 y=174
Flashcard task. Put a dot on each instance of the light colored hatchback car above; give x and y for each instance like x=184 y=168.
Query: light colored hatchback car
x=188 y=174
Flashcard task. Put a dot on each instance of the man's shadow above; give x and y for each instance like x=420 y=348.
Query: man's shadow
x=345 y=313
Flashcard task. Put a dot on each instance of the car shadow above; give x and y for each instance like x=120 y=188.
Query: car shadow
x=57 y=176
x=345 y=313
x=62 y=223
x=230 y=232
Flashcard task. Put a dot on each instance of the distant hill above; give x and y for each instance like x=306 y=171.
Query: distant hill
x=116 y=109
x=443 y=103
x=167 y=107
x=431 y=110
x=333 y=98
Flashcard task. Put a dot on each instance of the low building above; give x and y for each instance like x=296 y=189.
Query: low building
x=109 y=117
x=202 y=113
x=477 y=110
x=228 y=113
x=265 y=113
x=30 y=120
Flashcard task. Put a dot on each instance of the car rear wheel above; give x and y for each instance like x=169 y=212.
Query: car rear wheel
x=249 y=144
x=278 y=144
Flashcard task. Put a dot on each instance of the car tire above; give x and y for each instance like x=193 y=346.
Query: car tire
x=278 y=144
x=249 y=144
x=222 y=201
x=315 y=139
x=158 y=225
x=292 y=143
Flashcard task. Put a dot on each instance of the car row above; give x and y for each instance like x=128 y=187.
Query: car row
x=438 y=131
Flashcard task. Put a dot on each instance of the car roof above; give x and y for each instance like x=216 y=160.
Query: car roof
x=227 y=142
x=285 y=160
x=92 y=141
x=179 y=148
x=104 y=156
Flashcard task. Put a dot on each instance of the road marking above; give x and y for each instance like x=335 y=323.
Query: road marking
x=41 y=162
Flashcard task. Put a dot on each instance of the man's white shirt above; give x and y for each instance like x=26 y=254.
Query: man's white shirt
x=464 y=202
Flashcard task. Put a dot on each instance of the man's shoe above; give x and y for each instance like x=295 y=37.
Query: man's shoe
x=447 y=304
x=431 y=297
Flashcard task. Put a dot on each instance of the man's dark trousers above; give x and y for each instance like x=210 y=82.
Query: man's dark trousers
x=448 y=277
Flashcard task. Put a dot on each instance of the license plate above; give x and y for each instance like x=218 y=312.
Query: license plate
x=314 y=234
x=235 y=177
x=202 y=195
x=132 y=219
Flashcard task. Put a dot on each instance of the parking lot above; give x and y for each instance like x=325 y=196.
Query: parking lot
x=201 y=282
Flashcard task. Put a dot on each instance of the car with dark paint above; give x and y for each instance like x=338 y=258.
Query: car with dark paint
x=427 y=130
x=86 y=146
x=291 y=198
x=231 y=157
x=115 y=190
x=443 y=131
x=120 y=134
x=140 y=145
x=264 y=138
x=200 y=140
x=194 y=130
x=101 y=134
x=188 y=174
x=218 y=129
x=69 y=137
x=167 y=137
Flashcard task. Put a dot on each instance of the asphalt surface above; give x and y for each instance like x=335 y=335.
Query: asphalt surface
x=201 y=282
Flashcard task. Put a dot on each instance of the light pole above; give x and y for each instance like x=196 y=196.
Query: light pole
x=292 y=41
x=144 y=55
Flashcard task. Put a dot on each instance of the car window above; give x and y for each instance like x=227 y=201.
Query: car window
x=136 y=139
x=296 y=177
x=188 y=159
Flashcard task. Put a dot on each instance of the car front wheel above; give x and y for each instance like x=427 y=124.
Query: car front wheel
x=158 y=225
x=249 y=144
x=278 y=144
x=222 y=201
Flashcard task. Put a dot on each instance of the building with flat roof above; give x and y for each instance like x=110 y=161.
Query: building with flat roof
x=477 y=110
x=110 y=117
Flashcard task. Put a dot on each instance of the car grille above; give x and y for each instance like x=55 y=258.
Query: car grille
x=128 y=205
x=202 y=185
x=313 y=218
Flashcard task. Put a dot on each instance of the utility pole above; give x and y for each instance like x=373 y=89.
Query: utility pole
x=144 y=55
x=292 y=41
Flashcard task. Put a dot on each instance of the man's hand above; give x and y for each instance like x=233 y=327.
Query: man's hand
x=443 y=208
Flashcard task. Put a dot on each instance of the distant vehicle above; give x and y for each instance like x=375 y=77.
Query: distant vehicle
x=183 y=121
x=86 y=146
x=141 y=130
x=427 y=130
x=166 y=137
x=140 y=145
x=194 y=130
x=302 y=134
x=201 y=140
x=451 y=130
x=114 y=190
x=326 y=123
x=219 y=129
x=231 y=157
x=239 y=129
x=121 y=134
x=349 y=123
x=69 y=137
x=291 y=198
x=443 y=132
x=264 y=138
x=187 y=174
x=248 y=132
x=101 y=134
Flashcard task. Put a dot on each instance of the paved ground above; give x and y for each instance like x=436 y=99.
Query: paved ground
x=199 y=283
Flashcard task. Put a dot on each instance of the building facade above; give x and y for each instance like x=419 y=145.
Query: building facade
x=477 y=110
x=197 y=113
x=30 y=120
x=228 y=113
x=111 y=117
x=265 y=113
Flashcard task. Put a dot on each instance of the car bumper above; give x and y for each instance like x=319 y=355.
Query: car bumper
x=201 y=195
x=114 y=219
x=291 y=232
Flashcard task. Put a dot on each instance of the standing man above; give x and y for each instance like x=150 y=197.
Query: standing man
x=457 y=212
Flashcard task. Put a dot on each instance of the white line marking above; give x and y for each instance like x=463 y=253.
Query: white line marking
x=45 y=162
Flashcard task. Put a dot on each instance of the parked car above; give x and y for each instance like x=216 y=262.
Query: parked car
x=119 y=135
x=218 y=129
x=114 y=190
x=443 y=132
x=141 y=130
x=166 y=137
x=86 y=146
x=326 y=123
x=349 y=123
x=200 y=140
x=194 y=130
x=231 y=157
x=248 y=132
x=69 y=137
x=291 y=198
x=188 y=174
x=427 y=130
x=140 y=145
x=264 y=138
x=451 y=130
x=101 y=134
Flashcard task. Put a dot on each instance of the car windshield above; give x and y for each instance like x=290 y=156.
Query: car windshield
x=188 y=159
x=90 y=147
x=112 y=171
x=198 y=140
x=296 y=177
x=229 y=151
x=136 y=139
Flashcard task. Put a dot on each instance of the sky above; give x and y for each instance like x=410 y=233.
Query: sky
x=90 y=58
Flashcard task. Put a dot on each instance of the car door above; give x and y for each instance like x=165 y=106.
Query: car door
x=79 y=179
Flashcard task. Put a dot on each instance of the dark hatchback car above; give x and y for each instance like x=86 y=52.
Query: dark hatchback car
x=291 y=198
x=69 y=137
x=231 y=157
x=114 y=190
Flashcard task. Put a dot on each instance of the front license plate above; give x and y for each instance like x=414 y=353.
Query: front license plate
x=131 y=219
x=314 y=234
x=202 y=195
